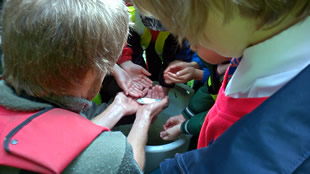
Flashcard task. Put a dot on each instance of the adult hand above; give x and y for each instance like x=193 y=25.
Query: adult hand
x=121 y=106
x=126 y=83
x=154 y=108
x=128 y=104
x=138 y=75
x=149 y=112
x=137 y=136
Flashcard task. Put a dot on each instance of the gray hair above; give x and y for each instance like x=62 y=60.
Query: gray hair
x=50 y=45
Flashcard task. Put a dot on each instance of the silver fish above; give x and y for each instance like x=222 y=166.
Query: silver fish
x=146 y=100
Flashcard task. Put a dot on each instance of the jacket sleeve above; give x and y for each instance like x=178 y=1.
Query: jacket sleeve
x=200 y=102
x=171 y=48
x=126 y=55
x=108 y=153
x=193 y=125
x=264 y=141
x=133 y=42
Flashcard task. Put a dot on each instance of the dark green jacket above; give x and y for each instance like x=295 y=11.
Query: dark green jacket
x=201 y=102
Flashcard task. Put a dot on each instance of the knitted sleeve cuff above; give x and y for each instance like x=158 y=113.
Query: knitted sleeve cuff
x=184 y=127
x=197 y=60
x=188 y=113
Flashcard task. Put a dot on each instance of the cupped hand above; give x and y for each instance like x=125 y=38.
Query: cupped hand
x=150 y=111
x=126 y=83
x=156 y=92
x=129 y=104
x=138 y=74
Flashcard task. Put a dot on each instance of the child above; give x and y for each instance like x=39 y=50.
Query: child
x=153 y=47
x=150 y=49
x=192 y=118
x=271 y=36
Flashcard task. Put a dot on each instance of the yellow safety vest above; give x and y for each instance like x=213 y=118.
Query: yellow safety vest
x=146 y=37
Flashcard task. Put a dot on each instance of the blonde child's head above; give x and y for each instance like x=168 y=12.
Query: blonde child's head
x=225 y=26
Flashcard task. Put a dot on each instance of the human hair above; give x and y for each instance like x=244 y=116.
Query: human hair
x=50 y=45
x=187 y=18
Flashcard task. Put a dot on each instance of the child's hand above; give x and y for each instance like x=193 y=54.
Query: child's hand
x=176 y=66
x=182 y=72
x=126 y=83
x=183 y=75
x=175 y=120
x=156 y=92
x=138 y=74
x=171 y=133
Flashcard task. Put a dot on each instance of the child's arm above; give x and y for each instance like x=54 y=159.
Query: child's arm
x=193 y=125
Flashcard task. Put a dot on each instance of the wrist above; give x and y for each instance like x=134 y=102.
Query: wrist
x=198 y=74
x=143 y=118
x=125 y=63
x=118 y=108
x=194 y=64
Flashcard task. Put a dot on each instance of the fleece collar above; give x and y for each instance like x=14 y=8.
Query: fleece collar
x=10 y=100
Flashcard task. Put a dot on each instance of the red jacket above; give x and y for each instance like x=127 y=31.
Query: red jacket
x=45 y=141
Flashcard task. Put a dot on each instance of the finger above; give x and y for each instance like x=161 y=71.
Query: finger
x=149 y=93
x=155 y=92
x=147 y=80
x=145 y=72
x=145 y=91
x=168 y=69
x=170 y=122
x=175 y=79
x=182 y=72
x=167 y=79
x=172 y=69
x=163 y=134
x=160 y=92
x=126 y=86
x=134 y=92
x=174 y=75
x=137 y=86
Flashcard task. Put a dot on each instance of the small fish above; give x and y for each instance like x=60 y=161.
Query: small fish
x=147 y=100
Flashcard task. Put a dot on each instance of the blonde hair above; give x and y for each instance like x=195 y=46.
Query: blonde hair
x=50 y=45
x=187 y=18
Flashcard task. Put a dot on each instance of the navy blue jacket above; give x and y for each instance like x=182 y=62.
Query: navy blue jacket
x=274 y=138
